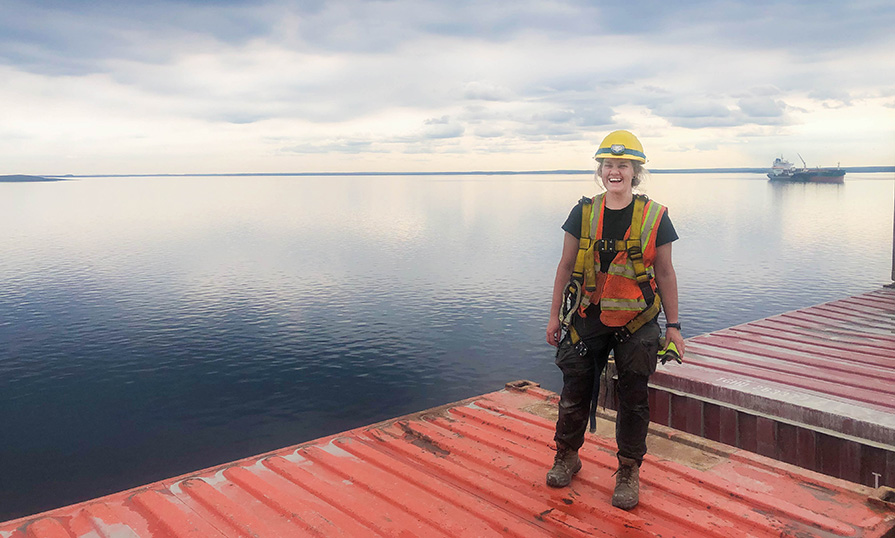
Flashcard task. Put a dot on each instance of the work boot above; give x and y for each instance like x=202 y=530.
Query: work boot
x=627 y=484
x=565 y=465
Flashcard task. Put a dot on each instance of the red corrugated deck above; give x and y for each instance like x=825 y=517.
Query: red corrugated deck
x=814 y=387
x=476 y=468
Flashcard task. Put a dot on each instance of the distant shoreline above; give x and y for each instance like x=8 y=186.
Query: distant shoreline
x=20 y=178
x=848 y=170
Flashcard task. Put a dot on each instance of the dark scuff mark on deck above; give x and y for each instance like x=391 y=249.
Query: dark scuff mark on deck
x=422 y=441
x=819 y=492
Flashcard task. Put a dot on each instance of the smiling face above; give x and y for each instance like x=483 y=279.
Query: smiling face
x=617 y=175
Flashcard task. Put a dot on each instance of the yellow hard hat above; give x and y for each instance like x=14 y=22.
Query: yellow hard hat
x=621 y=145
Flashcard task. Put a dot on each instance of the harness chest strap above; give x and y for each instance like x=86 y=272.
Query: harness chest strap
x=584 y=265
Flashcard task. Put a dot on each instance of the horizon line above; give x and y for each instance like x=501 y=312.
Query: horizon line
x=847 y=169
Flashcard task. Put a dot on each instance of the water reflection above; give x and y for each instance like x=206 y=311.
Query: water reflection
x=153 y=326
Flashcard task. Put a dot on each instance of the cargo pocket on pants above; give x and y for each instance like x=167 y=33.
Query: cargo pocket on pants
x=639 y=354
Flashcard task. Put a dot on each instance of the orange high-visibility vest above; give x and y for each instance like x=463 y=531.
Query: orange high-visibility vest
x=617 y=290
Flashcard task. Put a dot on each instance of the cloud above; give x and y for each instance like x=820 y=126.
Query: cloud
x=695 y=113
x=484 y=91
x=559 y=116
x=442 y=127
x=344 y=145
x=831 y=98
x=367 y=78
x=722 y=111
x=75 y=39
x=767 y=90
x=432 y=136
x=761 y=107
x=489 y=132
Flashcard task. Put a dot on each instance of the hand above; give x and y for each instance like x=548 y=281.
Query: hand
x=674 y=335
x=554 y=331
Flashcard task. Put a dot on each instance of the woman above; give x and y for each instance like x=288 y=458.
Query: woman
x=616 y=271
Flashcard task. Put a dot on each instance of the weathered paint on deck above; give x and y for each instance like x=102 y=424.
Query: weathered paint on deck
x=476 y=468
x=814 y=387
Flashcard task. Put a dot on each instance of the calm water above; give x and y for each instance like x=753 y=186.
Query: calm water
x=154 y=326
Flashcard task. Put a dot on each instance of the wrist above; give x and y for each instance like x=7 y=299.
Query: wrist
x=676 y=325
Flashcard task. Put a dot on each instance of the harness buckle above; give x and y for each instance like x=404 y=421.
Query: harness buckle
x=581 y=348
x=621 y=334
x=606 y=245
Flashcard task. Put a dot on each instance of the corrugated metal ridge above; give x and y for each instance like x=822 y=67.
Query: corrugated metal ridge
x=830 y=366
x=476 y=468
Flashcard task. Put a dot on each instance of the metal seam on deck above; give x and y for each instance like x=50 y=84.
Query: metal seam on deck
x=843 y=351
x=791 y=379
x=815 y=326
x=789 y=356
x=714 y=349
x=791 y=335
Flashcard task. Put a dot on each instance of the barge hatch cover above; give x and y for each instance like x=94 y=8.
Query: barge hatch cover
x=814 y=387
x=476 y=468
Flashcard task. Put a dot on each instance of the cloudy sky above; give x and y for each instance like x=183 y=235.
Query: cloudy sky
x=124 y=86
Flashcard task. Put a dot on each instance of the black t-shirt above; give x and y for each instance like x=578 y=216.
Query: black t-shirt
x=615 y=223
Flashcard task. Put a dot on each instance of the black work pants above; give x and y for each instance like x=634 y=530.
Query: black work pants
x=635 y=360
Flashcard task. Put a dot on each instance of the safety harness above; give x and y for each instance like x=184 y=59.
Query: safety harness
x=584 y=278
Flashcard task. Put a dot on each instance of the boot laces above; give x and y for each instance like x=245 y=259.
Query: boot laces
x=560 y=459
x=561 y=465
x=625 y=473
x=564 y=460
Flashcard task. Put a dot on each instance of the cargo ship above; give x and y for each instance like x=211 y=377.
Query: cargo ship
x=783 y=170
